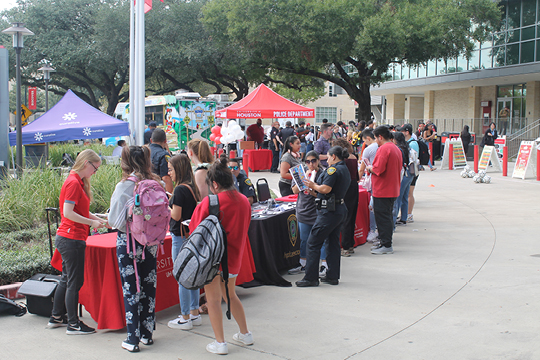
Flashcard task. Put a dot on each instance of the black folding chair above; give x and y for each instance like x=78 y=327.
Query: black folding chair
x=263 y=190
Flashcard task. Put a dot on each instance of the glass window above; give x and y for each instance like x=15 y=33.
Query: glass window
x=498 y=56
x=441 y=67
x=537 y=50
x=431 y=68
x=397 y=71
x=474 y=61
x=462 y=63
x=329 y=113
x=527 y=33
x=514 y=14
x=513 y=36
x=527 y=52
x=404 y=71
x=451 y=65
x=485 y=58
x=488 y=42
x=499 y=38
x=518 y=89
x=422 y=70
x=503 y=91
x=529 y=12
x=413 y=72
x=512 y=54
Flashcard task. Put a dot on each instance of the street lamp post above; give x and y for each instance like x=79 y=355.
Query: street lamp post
x=47 y=70
x=18 y=31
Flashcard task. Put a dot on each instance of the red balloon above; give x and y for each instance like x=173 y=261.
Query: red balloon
x=216 y=130
x=213 y=137
x=217 y=140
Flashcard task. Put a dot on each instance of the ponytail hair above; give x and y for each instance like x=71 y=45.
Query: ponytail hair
x=136 y=160
x=221 y=174
x=201 y=149
x=340 y=152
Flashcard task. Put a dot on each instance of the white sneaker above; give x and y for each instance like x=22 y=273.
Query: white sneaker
x=180 y=323
x=410 y=218
x=322 y=271
x=372 y=236
x=196 y=320
x=218 y=348
x=246 y=339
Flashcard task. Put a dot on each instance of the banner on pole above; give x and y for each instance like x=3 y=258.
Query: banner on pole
x=526 y=161
x=32 y=98
x=489 y=154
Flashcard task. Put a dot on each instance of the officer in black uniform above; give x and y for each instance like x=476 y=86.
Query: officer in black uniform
x=242 y=182
x=160 y=158
x=331 y=186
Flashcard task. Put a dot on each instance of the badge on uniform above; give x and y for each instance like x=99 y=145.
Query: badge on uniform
x=331 y=170
x=248 y=182
x=167 y=157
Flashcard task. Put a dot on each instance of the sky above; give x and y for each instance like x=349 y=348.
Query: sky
x=7 y=4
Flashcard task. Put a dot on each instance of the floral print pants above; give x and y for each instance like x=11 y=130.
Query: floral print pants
x=139 y=306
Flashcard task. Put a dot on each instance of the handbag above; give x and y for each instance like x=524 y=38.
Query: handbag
x=366 y=182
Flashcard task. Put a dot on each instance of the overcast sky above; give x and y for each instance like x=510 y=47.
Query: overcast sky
x=7 y=4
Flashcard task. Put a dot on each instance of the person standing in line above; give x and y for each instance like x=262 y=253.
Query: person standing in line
x=306 y=213
x=322 y=145
x=139 y=305
x=385 y=179
x=182 y=204
x=200 y=155
x=402 y=201
x=368 y=156
x=274 y=146
x=289 y=159
x=465 y=139
x=413 y=144
x=285 y=133
x=235 y=216
x=255 y=132
x=160 y=158
x=148 y=132
x=351 y=199
x=301 y=132
x=310 y=137
x=430 y=136
x=118 y=150
x=331 y=187
x=76 y=220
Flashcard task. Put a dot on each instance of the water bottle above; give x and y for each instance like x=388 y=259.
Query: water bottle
x=137 y=206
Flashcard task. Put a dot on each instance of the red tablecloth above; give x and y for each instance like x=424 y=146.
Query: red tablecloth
x=259 y=159
x=288 y=198
x=362 y=217
x=101 y=293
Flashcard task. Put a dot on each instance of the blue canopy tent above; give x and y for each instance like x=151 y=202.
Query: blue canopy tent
x=71 y=119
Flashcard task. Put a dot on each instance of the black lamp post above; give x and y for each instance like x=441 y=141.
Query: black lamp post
x=47 y=70
x=18 y=31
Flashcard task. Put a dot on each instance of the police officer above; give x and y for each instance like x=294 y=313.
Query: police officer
x=242 y=182
x=160 y=155
x=331 y=212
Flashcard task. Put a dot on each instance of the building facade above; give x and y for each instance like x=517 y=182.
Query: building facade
x=499 y=83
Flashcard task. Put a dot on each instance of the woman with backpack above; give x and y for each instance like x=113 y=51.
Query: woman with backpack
x=133 y=264
x=402 y=201
x=235 y=216
x=199 y=153
x=182 y=203
x=75 y=198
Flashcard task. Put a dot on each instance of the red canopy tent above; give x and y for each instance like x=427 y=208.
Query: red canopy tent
x=264 y=103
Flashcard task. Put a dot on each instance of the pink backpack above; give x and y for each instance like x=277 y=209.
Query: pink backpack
x=148 y=215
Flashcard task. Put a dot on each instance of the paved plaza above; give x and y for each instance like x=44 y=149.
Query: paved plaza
x=463 y=283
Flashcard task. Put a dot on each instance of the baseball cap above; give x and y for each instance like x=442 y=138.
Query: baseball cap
x=406 y=127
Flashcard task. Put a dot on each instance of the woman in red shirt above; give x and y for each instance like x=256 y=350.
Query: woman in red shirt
x=75 y=198
x=235 y=213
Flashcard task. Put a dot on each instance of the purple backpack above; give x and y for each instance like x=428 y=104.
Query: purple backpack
x=148 y=215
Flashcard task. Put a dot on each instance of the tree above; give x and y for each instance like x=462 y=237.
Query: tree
x=87 y=42
x=350 y=43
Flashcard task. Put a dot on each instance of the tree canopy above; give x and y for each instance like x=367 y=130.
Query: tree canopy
x=349 y=42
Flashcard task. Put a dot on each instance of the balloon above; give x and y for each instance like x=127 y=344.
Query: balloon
x=231 y=123
x=239 y=135
x=217 y=140
x=216 y=129
x=213 y=136
x=224 y=131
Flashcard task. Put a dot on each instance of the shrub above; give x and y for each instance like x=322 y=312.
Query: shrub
x=57 y=150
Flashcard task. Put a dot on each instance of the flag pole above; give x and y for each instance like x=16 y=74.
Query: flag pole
x=140 y=70
x=132 y=80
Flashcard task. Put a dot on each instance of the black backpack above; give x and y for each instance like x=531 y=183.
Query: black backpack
x=423 y=153
x=10 y=307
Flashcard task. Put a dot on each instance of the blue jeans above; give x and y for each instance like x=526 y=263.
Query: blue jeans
x=189 y=299
x=372 y=223
x=402 y=201
x=309 y=147
x=304 y=230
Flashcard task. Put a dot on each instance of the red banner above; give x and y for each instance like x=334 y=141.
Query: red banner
x=32 y=97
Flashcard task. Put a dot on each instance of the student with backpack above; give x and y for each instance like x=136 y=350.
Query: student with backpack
x=406 y=130
x=402 y=201
x=235 y=216
x=182 y=203
x=138 y=196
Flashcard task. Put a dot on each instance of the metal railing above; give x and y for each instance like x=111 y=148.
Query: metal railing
x=528 y=133
x=443 y=125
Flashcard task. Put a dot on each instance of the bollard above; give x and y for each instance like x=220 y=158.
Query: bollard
x=232 y=154
x=505 y=161
x=450 y=156
x=476 y=147
x=537 y=164
x=431 y=152
x=245 y=163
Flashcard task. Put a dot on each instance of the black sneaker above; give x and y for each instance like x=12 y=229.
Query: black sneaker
x=54 y=322
x=79 y=329
x=401 y=222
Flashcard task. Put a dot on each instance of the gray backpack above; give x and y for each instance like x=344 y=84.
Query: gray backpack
x=198 y=261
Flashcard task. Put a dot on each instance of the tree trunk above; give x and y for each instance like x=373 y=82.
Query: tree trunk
x=362 y=96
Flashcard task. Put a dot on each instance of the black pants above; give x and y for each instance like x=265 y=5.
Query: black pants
x=284 y=188
x=383 y=208
x=327 y=226
x=67 y=292
x=347 y=229
x=275 y=158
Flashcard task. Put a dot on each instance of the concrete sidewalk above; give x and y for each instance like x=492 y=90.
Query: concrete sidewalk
x=463 y=283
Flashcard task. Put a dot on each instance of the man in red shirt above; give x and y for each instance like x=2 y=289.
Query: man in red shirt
x=385 y=183
x=255 y=133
